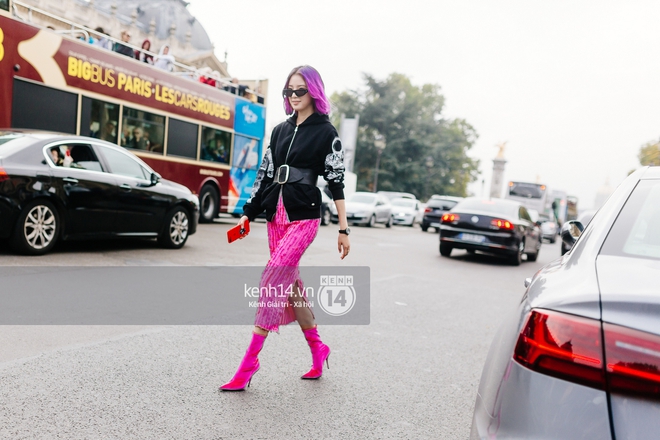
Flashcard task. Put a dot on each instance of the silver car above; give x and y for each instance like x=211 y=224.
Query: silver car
x=405 y=211
x=580 y=357
x=365 y=208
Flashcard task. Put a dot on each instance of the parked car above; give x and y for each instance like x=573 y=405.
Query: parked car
x=549 y=230
x=57 y=187
x=365 y=208
x=405 y=212
x=326 y=212
x=391 y=195
x=497 y=226
x=435 y=208
x=579 y=357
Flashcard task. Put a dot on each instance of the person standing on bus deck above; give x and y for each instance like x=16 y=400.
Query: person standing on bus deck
x=164 y=60
x=122 y=48
x=303 y=147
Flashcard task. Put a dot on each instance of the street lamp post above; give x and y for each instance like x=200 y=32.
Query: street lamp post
x=429 y=166
x=379 y=143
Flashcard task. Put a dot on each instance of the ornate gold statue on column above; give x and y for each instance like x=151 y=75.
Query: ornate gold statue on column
x=500 y=153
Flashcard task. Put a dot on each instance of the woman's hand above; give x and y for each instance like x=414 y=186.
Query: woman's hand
x=343 y=245
x=241 y=222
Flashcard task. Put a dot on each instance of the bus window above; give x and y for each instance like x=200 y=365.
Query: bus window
x=246 y=153
x=215 y=145
x=99 y=119
x=182 y=139
x=43 y=108
x=142 y=130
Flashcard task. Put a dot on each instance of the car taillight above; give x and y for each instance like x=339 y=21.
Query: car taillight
x=569 y=347
x=428 y=210
x=564 y=346
x=502 y=224
x=633 y=361
x=450 y=218
x=3 y=175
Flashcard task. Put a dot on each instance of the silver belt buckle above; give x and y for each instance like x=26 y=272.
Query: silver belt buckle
x=279 y=174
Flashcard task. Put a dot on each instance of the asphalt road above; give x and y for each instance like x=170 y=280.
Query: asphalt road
x=412 y=373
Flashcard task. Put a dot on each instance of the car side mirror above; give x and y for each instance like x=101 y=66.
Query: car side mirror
x=155 y=178
x=571 y=231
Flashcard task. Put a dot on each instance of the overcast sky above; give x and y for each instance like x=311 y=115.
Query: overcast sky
x=572 y=87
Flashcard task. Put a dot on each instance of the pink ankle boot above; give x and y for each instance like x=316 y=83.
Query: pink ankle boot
x=320 y=354
x=249 y=366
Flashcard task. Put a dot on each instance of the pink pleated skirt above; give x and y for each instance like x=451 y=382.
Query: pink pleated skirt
x=287 y=241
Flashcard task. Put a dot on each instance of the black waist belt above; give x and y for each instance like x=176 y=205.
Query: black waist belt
x=289 y=174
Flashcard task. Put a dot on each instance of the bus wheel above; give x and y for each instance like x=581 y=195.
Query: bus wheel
x=175 y=230
x=208 y=204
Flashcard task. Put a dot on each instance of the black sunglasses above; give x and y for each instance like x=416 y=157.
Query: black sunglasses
x=290 y=92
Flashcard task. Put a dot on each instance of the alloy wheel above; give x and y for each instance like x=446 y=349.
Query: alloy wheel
x=179 y=228
x=39 y=227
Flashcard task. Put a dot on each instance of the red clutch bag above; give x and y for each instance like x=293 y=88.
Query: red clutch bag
x=237 y=232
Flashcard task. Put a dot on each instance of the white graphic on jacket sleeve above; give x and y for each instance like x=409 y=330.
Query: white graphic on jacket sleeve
x=266 y=169
x=334 y=163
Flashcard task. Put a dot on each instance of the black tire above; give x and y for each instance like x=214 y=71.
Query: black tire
x=37 y=228
x=552 y=241
x=516 y=259
x=326 y=216
x=209 y=204
x=535 y=255
x=175 y=230
x=470 y=251
x=424 y=227
x=389 y=223
x=372 y=221
x=445 y=250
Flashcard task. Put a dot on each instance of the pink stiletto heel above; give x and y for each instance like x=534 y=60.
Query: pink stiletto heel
x=248 y=367
x=320 y=354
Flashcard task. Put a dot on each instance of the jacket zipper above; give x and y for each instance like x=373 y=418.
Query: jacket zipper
x=287 y=157
x=289 y=150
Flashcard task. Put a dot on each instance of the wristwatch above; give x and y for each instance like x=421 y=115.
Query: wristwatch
x=346 y=231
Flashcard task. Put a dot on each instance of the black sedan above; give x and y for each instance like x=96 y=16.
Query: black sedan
x=435 y=209
x=579 y=357
x=55 y=186
x=501 y=227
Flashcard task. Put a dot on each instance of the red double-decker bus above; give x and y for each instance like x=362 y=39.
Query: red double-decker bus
x=203 y=137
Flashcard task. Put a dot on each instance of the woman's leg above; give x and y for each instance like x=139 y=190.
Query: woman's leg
x=249 y=365
x=301 y=309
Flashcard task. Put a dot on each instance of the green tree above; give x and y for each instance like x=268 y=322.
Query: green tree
x=649 y=154
x=425 y=153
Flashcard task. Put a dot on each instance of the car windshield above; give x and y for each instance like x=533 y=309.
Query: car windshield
x=500 y=207
x=528 y=190
x=362 y=198
x=440 y=203
x=636 y=232
x=404 y=203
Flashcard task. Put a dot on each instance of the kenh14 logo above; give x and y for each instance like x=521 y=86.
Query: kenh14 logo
x=336 y=295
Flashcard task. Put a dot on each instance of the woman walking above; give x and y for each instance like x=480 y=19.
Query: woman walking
x=303 y=147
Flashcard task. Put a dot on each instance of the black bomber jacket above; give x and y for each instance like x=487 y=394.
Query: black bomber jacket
x=314 y=145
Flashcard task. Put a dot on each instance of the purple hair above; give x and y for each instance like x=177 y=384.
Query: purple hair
x=315 y=87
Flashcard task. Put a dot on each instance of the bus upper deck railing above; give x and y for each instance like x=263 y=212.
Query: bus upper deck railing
x=184 y=69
